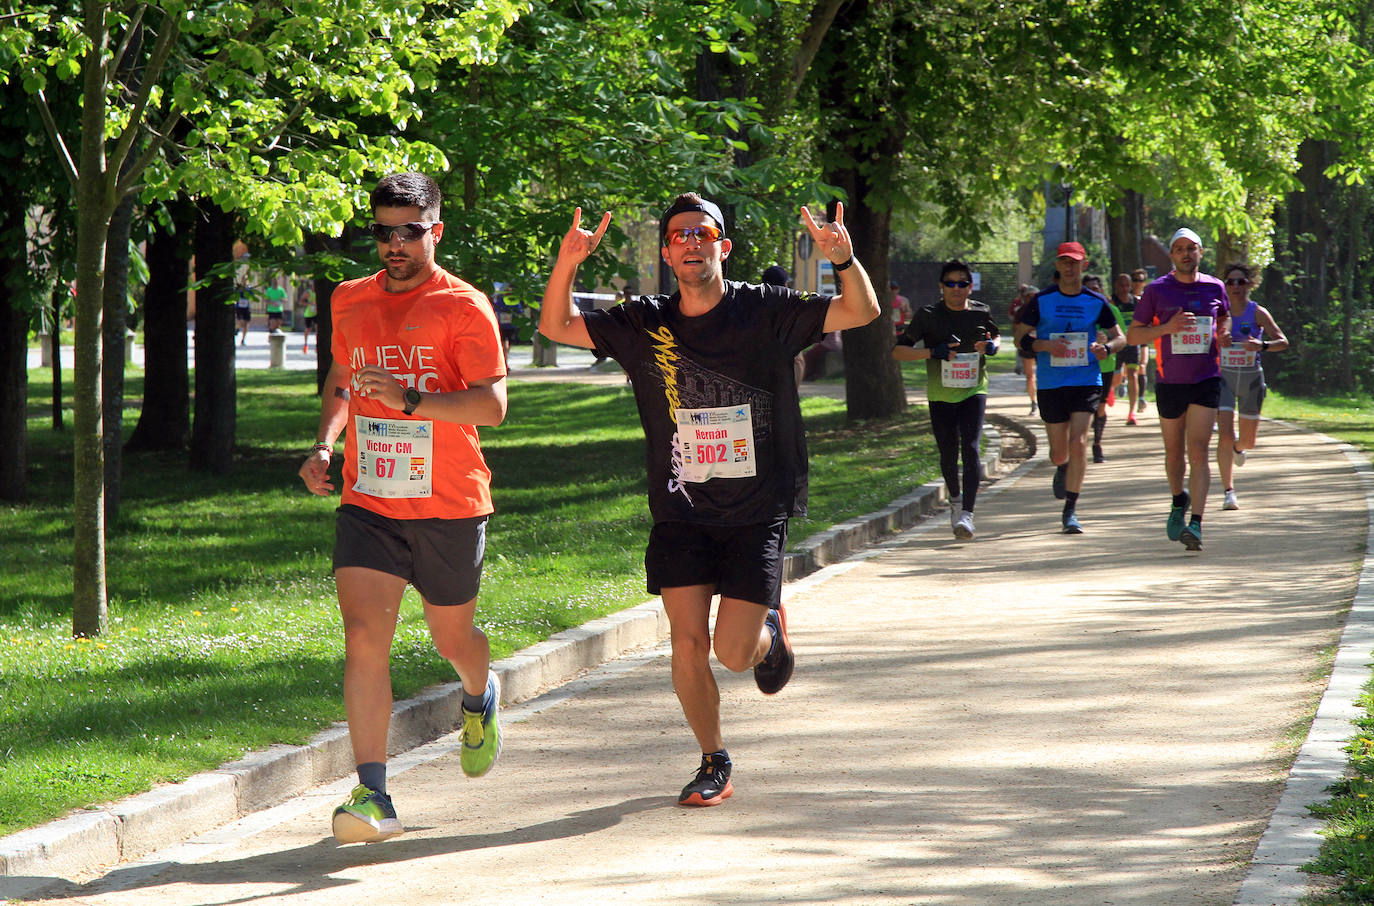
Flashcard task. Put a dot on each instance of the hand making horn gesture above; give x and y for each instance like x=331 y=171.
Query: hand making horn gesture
x=579 y=244
x=831 y=238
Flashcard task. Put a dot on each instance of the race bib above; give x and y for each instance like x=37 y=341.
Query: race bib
x=1078 y=349
x=960 y=371
x=1237 y=356
x=505 y=317
x=716 y=443
x=395 y=457
x=1194 y=340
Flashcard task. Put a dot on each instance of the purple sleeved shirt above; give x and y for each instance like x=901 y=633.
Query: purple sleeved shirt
x=1205 y=297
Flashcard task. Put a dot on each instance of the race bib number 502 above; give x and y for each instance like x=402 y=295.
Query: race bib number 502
x=716 y=443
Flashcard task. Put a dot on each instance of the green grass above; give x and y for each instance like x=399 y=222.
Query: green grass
x=224 y=636
x=1347 y=853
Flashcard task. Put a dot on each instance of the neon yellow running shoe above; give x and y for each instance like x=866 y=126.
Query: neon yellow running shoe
x=366 y=817
x=482 y=732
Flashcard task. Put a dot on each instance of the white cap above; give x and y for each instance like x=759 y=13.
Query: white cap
x=1185 y=233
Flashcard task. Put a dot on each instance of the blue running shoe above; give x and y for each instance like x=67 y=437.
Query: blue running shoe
x=482 y=732
x=1071 y=526
x=1192 y=536
x=366 y=817
x=1174 y=527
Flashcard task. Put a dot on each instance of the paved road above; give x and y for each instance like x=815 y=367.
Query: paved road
x=1027 y=718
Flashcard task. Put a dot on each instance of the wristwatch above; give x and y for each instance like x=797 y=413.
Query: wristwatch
x=412 y=398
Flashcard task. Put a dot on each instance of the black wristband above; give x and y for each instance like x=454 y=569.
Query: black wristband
x=1264 y=344
x=845 y=266
x=1027 y=343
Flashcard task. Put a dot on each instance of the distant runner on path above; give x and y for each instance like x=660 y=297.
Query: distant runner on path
x=711 y=367
x=1187 y=312
x=1253 y=331
x=952 y=337
x=1061 y=325
x=417 y=366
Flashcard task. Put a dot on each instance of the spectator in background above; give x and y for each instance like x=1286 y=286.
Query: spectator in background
x=901 y=308
x=305 y=301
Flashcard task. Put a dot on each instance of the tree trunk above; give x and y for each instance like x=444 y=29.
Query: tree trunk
x=214 y=423
x=59 y=295
x=1125 y=232
x=14 y=356
x=90 y=606
x=324 y=312
x=872 y=379
x=164 y=423
x=116 y=310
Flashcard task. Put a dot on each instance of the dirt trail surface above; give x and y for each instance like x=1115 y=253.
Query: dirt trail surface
x=1027 y=718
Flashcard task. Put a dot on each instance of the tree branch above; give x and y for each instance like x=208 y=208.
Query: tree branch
x=156 y=61
x=63 y=154
x=129 y=179
x=821 y=19
x=130 y=30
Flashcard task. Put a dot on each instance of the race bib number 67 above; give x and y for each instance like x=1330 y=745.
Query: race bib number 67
x=395 y=457
x=716 y=443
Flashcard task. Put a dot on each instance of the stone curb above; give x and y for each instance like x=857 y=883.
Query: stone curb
x=1293 y=835
x=134 y=827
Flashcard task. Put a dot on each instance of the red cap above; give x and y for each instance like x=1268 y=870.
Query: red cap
x=1072 y=250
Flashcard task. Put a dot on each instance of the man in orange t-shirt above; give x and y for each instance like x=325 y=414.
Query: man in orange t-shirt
x=417 y=367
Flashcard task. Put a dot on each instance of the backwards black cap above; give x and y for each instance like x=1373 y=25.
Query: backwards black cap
x=682 y=204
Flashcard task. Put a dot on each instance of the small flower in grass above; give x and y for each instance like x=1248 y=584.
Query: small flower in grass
x=233 y=610
x=1361 y=837
x=197 y=613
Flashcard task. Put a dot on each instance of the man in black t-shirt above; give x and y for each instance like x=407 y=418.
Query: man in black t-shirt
x=711 y=367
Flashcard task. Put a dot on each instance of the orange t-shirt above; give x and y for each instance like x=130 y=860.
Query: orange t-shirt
x=437 y=338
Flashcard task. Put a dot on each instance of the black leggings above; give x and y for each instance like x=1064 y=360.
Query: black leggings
x=957 y=428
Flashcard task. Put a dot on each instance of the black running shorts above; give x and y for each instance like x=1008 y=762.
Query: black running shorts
x=1058 y=403
x=1173 y=400
x=741 y=561
x=442 y=558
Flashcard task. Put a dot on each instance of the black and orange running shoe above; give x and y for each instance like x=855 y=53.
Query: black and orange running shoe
x=711 y=786
x=773 y=672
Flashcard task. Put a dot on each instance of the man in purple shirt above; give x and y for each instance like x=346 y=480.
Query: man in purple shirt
x=1185 y=313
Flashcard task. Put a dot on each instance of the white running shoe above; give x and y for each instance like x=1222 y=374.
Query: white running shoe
x=1230 y=503
x=963 y=528
x=1240 y=457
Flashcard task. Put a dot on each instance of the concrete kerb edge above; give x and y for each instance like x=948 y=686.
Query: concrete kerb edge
x=1293 y=836
x=133 y=827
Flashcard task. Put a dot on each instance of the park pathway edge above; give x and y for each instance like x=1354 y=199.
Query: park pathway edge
x=1293 y=836
x=129 y=829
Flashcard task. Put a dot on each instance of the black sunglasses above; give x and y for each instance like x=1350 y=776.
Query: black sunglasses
x=957 y=284
x=1237 y=281
x=408 y=232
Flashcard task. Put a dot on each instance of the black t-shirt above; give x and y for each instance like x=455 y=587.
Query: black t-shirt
x=938 y=323
x=727 y=378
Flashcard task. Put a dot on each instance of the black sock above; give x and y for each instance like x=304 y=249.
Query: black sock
x=1181 y=499
x=1197 y=519
x=372 y=774
x=1070 y=503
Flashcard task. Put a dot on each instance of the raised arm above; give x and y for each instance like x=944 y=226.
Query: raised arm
x=856 y=304
x=559 y=319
